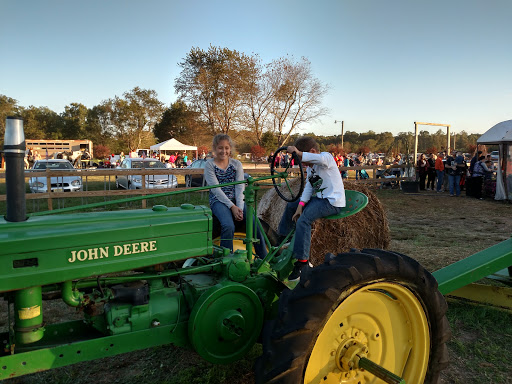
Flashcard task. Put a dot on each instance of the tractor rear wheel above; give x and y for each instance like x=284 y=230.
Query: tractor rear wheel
x=378 y=304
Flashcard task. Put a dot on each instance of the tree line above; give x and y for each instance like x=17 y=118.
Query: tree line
x=220 y=90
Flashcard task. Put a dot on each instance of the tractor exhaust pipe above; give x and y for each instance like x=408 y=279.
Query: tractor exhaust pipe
x=28 y=320
x=14 y=152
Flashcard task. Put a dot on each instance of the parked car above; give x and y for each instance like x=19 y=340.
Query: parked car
x=495 y=156
x=151 y=181
x=195 y=180
x=58 y=183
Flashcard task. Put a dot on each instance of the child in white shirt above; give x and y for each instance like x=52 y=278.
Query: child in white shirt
x=323 y=195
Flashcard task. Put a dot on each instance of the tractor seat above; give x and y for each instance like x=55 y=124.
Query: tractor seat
x=355 y=202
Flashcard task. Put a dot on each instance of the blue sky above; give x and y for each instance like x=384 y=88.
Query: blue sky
x=388 y=62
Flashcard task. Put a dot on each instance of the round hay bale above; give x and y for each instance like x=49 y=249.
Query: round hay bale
x=366 y=229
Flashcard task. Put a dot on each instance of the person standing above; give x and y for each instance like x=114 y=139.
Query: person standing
x=277 y=160
x=357 y=163
x=178 y=160
x=474 y=161
x=422 y=167
x=431 y=172
x=439 y=167
x=477 y=180
x=172 y=159
x=346 y=163
x=454 y=165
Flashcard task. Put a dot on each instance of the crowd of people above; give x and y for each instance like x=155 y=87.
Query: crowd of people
x=435 y=172
x=440 y=173
x=32 y=155
x=173 y=160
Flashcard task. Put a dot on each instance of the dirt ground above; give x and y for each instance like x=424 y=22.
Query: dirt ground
x=435 y=229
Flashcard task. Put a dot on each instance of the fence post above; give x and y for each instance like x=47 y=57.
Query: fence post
x=49 y=190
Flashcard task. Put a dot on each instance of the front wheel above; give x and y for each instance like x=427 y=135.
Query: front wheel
x=375 y=304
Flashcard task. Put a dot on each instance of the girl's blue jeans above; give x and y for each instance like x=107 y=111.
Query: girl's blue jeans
x=227 y=229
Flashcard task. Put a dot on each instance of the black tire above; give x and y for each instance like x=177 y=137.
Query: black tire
x=288 y=341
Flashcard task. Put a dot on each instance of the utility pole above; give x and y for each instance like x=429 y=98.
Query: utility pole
x=342 y=129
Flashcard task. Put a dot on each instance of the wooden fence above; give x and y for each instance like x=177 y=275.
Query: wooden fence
x=110 y=174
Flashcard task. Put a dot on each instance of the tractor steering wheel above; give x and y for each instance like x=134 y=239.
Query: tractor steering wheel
x=283 y=189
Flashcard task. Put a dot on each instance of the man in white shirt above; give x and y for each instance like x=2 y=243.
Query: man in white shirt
x=323 y=195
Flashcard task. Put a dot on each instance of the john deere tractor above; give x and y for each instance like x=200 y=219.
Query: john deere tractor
x=149 y=277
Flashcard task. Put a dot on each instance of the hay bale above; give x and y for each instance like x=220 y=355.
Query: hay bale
x=366 y=229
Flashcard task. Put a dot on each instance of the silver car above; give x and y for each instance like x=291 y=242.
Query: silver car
x=59 y=183
x=152 y=181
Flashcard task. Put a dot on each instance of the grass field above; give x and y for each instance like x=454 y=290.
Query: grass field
x=435 y=229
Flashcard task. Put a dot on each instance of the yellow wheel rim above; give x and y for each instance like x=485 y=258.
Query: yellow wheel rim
x=385 y=317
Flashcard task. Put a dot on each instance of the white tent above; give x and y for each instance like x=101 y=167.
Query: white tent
x=501 y=132
x=172 y=145
x=501 y=135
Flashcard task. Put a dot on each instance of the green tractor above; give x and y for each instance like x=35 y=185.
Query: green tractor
x=149 y=277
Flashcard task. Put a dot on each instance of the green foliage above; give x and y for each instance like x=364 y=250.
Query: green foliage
x=181 y=123
x=268 y=141
x=73 y=121
x=41 y=123
x=128 y=118
x=8 y=107
x=215 y=83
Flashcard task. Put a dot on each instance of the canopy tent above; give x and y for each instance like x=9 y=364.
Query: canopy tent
x=501 y=135
x=501 y=132
x=172 y=145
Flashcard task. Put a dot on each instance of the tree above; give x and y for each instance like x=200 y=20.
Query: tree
x=259 y=100
x=297 y=96
x=257 y=152
x=8 y=107
x=41 y=123
x=215 y=83
x=201 y=149
x=181 y=123
x=371 y=144
x=269 y=141
x=74 y=120
x=101 y=151
x=405 y=142
x=385 y=142
x=96 y=128
x=131 y=117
